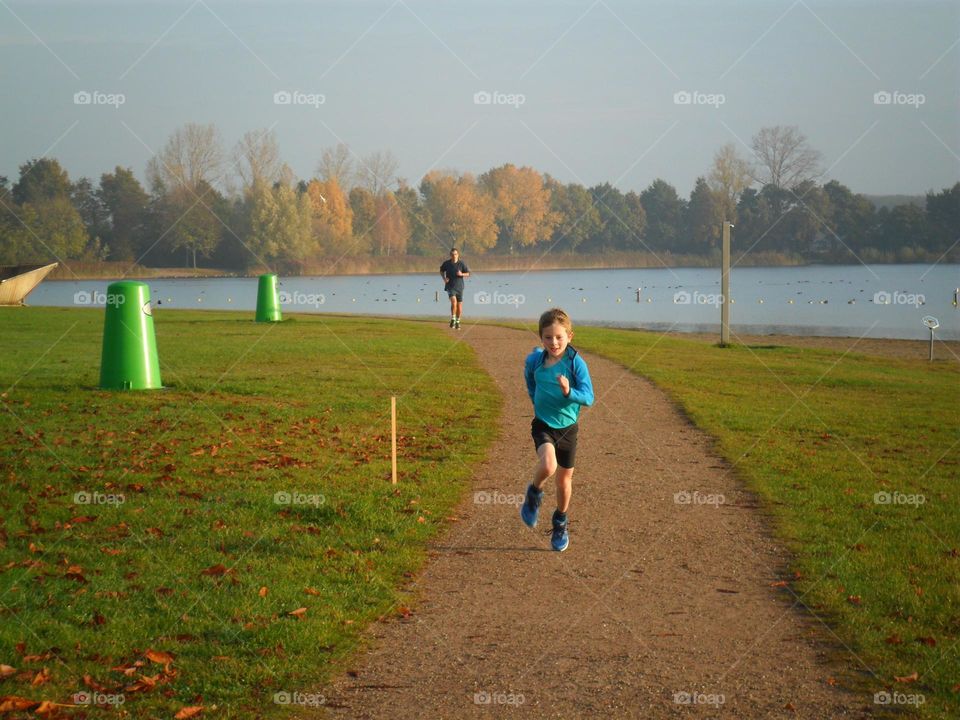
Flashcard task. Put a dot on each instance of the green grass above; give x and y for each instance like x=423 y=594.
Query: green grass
x=248 y=411
x=817 y=434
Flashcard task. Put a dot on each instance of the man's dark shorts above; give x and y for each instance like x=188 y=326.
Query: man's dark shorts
x=564 y=440
x=457 y=293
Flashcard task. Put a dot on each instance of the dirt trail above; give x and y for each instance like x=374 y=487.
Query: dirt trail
x=653 y=598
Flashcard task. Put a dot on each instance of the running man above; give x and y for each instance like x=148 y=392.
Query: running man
x=453 y=271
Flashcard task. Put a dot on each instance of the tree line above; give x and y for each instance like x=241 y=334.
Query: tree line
x=245 y=208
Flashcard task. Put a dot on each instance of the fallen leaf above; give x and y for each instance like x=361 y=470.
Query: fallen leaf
x=41 y=677
x=189 y=712
x=404 y=611
x=311 y=591
x=928 y=641
x=907 y=678
x=298 y=613
x=263 y=591
x=158 y=656
x=854 y=599
x=779 y=583
x=894 y=640
x=214 y=570
x=12 y=703
x=7 y=671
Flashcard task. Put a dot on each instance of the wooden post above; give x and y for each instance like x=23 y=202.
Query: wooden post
x=393 y=439
x=725 y=286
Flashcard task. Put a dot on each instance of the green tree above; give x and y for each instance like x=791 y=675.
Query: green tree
x=127 y=204
x=665 y=211
x=704 y=217
x=577 y=218
x=41 y=179
x=943 y=217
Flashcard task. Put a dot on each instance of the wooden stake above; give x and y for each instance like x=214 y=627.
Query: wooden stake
x=393 y=437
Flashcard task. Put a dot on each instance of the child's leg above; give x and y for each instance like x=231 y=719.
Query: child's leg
x=564 y=488
x=547 y=465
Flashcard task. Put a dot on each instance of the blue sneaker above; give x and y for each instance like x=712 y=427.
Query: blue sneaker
x=559 y=538
x=531 y=506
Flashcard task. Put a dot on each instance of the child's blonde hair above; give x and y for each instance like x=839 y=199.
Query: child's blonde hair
x=555 y=315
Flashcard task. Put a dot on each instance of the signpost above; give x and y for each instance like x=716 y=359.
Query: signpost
x=931 y=322
x=725 y=287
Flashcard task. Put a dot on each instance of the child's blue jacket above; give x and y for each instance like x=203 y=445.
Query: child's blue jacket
x=549 y=404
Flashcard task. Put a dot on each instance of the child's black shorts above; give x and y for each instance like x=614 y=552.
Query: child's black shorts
x=564 y=440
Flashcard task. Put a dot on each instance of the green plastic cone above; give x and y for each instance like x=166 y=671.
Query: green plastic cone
x=268 y=302
x=129 y=358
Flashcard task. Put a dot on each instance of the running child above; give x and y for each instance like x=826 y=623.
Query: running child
x=558 y=383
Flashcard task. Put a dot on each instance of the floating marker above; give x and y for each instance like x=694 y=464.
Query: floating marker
x=268 y=302
x=618 y=299
x=129 y=357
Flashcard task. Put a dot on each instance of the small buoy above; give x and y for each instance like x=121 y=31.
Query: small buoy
x=199 y=299
x=583 y=299
x=732 y=301
x=760 y=301
x=851 y=302
x=618 y=299
x=790 y=301
x=649 y=300
x=354 y=299
x=549 y=299
x=229 y=299
x=418 y=299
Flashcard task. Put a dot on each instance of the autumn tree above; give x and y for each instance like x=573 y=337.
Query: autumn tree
x=191 y=158
x=521 y=205
x=256 y=157
x=459 y=213
x=331 y=217
x=337 y=163
x=729 y=177
x=578 y=218
x=783 y=158
x=391 y=232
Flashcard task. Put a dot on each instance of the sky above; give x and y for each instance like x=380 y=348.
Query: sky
x=590 y=91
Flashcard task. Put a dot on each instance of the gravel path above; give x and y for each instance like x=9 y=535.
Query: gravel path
x=656 y=601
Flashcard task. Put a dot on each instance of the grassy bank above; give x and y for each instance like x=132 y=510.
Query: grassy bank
x=857 y=458
x=226 y=538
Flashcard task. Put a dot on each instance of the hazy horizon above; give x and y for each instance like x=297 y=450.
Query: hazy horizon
x=599 y=83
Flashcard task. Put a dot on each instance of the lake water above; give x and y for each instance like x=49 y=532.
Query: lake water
x=878 y=301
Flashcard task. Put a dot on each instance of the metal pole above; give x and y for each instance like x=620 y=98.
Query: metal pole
x=725 y=286
x=931 y=344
